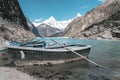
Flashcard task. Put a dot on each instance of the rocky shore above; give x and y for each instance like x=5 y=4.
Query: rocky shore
x=80 y=70
x=8 y=73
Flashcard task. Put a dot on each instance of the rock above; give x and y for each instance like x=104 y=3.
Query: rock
x=46 y=30
x=106 y=35
x=102 y=18
x=116 y=34
x=11 y=11
x=33 y=28
x=10 y=64
x=13 y=24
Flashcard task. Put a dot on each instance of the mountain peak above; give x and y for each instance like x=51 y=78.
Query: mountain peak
x=56 y=24
x=78 y=15
x=52 y=19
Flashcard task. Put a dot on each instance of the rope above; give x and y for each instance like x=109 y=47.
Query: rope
x=80 y=55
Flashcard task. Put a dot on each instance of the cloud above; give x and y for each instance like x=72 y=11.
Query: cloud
x=102 y=0
x=38 y=21
x=83 y=7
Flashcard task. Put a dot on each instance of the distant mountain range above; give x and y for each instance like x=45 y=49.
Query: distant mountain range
x=102 y=22
x=51 y=26
x=55 y=23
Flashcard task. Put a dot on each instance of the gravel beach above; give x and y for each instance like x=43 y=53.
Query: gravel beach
x=79 y=70
x=7 y=73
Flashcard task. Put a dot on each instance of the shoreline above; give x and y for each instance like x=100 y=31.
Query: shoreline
x=10 y=73
x=79 y=70
x=98 y=39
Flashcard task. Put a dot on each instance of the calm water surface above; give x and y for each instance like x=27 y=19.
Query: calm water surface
x=106 y=53
x=103 y=52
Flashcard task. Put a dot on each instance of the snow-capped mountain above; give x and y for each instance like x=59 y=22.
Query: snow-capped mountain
x=57 y=24
x=54 y=23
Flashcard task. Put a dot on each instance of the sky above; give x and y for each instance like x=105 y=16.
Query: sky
x=60 y=9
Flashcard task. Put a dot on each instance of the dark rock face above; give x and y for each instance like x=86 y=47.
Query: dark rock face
x=107 y=29
x=88 y=21
x=33 y=28
x=13 y=24
x=10 y=10
x=46 y=30
x=116 y=33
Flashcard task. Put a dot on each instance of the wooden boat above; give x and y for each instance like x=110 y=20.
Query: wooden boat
x=54 y=55
x=3 y=50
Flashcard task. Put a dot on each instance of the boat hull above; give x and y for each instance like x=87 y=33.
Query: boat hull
x=46 y=62
x=32 y=57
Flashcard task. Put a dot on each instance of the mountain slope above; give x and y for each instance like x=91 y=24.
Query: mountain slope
x=95 y=16
x=107 y=29
x=32 y=28
x=55 y=23
x=46 y=30
x=13 y=24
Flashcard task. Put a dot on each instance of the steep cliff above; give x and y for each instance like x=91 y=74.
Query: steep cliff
x=95 y=16
x=13 y=24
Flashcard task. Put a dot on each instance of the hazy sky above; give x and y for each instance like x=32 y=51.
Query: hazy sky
x=60 y=9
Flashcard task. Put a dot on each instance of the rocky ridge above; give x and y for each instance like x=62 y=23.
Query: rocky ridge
x=13 y=24
x=107 y=29
x=33 y=28
x=95 y=16
x=46 y=30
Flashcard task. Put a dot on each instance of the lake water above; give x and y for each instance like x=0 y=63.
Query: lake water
x=103 y=52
